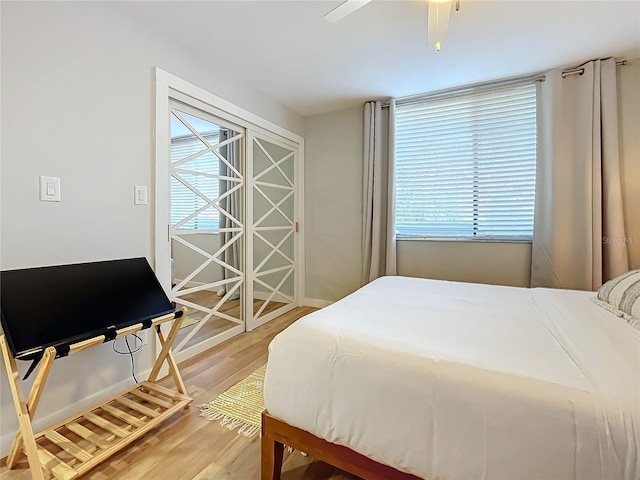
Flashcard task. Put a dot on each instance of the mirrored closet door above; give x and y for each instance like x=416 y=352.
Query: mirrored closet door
x=273 y=226
x=228 y=246
x=206 y=227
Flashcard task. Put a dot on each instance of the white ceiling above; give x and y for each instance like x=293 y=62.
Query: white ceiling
x=287 y=50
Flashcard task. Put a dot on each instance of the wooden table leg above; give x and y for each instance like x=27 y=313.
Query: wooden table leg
x=173 y=367
x=24 y=419
x=32 y=402
x=166 y=355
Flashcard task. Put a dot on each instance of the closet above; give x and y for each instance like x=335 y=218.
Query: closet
x=227 y=214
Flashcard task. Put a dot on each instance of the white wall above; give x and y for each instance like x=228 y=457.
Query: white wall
x=476 y=262
x=77 y=103
x=334 y=205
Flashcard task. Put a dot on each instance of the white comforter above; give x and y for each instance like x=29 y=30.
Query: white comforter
x=450 y=380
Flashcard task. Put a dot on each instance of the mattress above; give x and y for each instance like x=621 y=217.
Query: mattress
x=449 y=380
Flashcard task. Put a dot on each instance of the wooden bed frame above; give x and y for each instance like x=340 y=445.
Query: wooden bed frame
x=276 y=434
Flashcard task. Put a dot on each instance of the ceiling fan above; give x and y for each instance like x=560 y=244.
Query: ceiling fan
x=438 y=16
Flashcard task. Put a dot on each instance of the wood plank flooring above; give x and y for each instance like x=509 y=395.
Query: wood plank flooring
x=215 y=325
x=189 y=447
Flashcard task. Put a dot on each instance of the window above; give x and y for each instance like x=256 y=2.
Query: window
x=466 y=164
x=183 y=200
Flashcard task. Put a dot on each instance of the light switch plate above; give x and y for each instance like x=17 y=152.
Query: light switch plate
x=49 y=189
x=140 y=195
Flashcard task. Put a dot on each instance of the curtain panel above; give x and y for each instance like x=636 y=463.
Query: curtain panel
x=378 y=226
x=231 y=204
x=579 y=237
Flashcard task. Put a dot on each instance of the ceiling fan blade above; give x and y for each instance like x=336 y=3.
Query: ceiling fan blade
x=345 y=9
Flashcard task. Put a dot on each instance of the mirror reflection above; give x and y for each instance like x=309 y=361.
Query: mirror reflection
x=206 y=226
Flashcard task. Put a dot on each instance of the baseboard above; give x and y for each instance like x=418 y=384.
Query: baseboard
x=317 y=303
x=265 y=295
x=256 y=294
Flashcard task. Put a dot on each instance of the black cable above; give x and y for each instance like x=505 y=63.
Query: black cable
x=133 y=364
x=130 y=353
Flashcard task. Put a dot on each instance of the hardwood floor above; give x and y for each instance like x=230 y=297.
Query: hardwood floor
x=189 y=447
x=215 y=325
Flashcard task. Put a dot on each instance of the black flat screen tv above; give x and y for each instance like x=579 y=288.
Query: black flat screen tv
x=63 y=304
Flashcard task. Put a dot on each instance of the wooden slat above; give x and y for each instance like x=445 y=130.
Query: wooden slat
x=164 y=318
x=106 y=424
x=116 y=412
x=88 y=435
x=88 y=447
x=140 y=408
x=76 y=347
x=68 y=446
x=77 y=416
x=151 y=399
x=57 y=467
x=122 y=443
x=139 y=326
x=83 y=345
x=165 y=391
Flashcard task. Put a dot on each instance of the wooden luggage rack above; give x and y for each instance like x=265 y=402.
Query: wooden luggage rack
x=81 y=442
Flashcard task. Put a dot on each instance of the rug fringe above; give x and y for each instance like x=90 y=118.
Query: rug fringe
x=244 y=428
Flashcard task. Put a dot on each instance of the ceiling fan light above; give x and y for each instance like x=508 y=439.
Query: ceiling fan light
x=438 y=21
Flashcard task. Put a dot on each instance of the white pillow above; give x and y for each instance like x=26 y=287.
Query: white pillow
x=621 y=296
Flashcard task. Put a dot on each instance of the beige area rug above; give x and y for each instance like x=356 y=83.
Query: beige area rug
x=189 y=321
x=241 y=406
x=192 y=317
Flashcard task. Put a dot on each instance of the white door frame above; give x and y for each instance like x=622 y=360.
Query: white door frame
x=170 y=86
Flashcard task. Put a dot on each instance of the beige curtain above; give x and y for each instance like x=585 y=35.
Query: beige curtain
x=230 y=204
x=378 y=227
x=579 y=237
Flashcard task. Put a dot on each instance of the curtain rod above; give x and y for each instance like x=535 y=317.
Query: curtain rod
x=535 y=78
x=580 y=70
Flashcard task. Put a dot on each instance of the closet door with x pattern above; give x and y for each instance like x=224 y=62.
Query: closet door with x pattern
x=206 y=227
x=271 y=245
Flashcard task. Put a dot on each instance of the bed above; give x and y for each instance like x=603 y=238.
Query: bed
x=412 y=378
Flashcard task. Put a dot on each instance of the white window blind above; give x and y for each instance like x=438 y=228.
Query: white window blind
x=466 y=165
x=185 y=201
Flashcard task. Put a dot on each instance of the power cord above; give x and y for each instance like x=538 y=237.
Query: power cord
x=129 y=352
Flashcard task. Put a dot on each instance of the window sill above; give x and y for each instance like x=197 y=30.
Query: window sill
x=418 y=238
